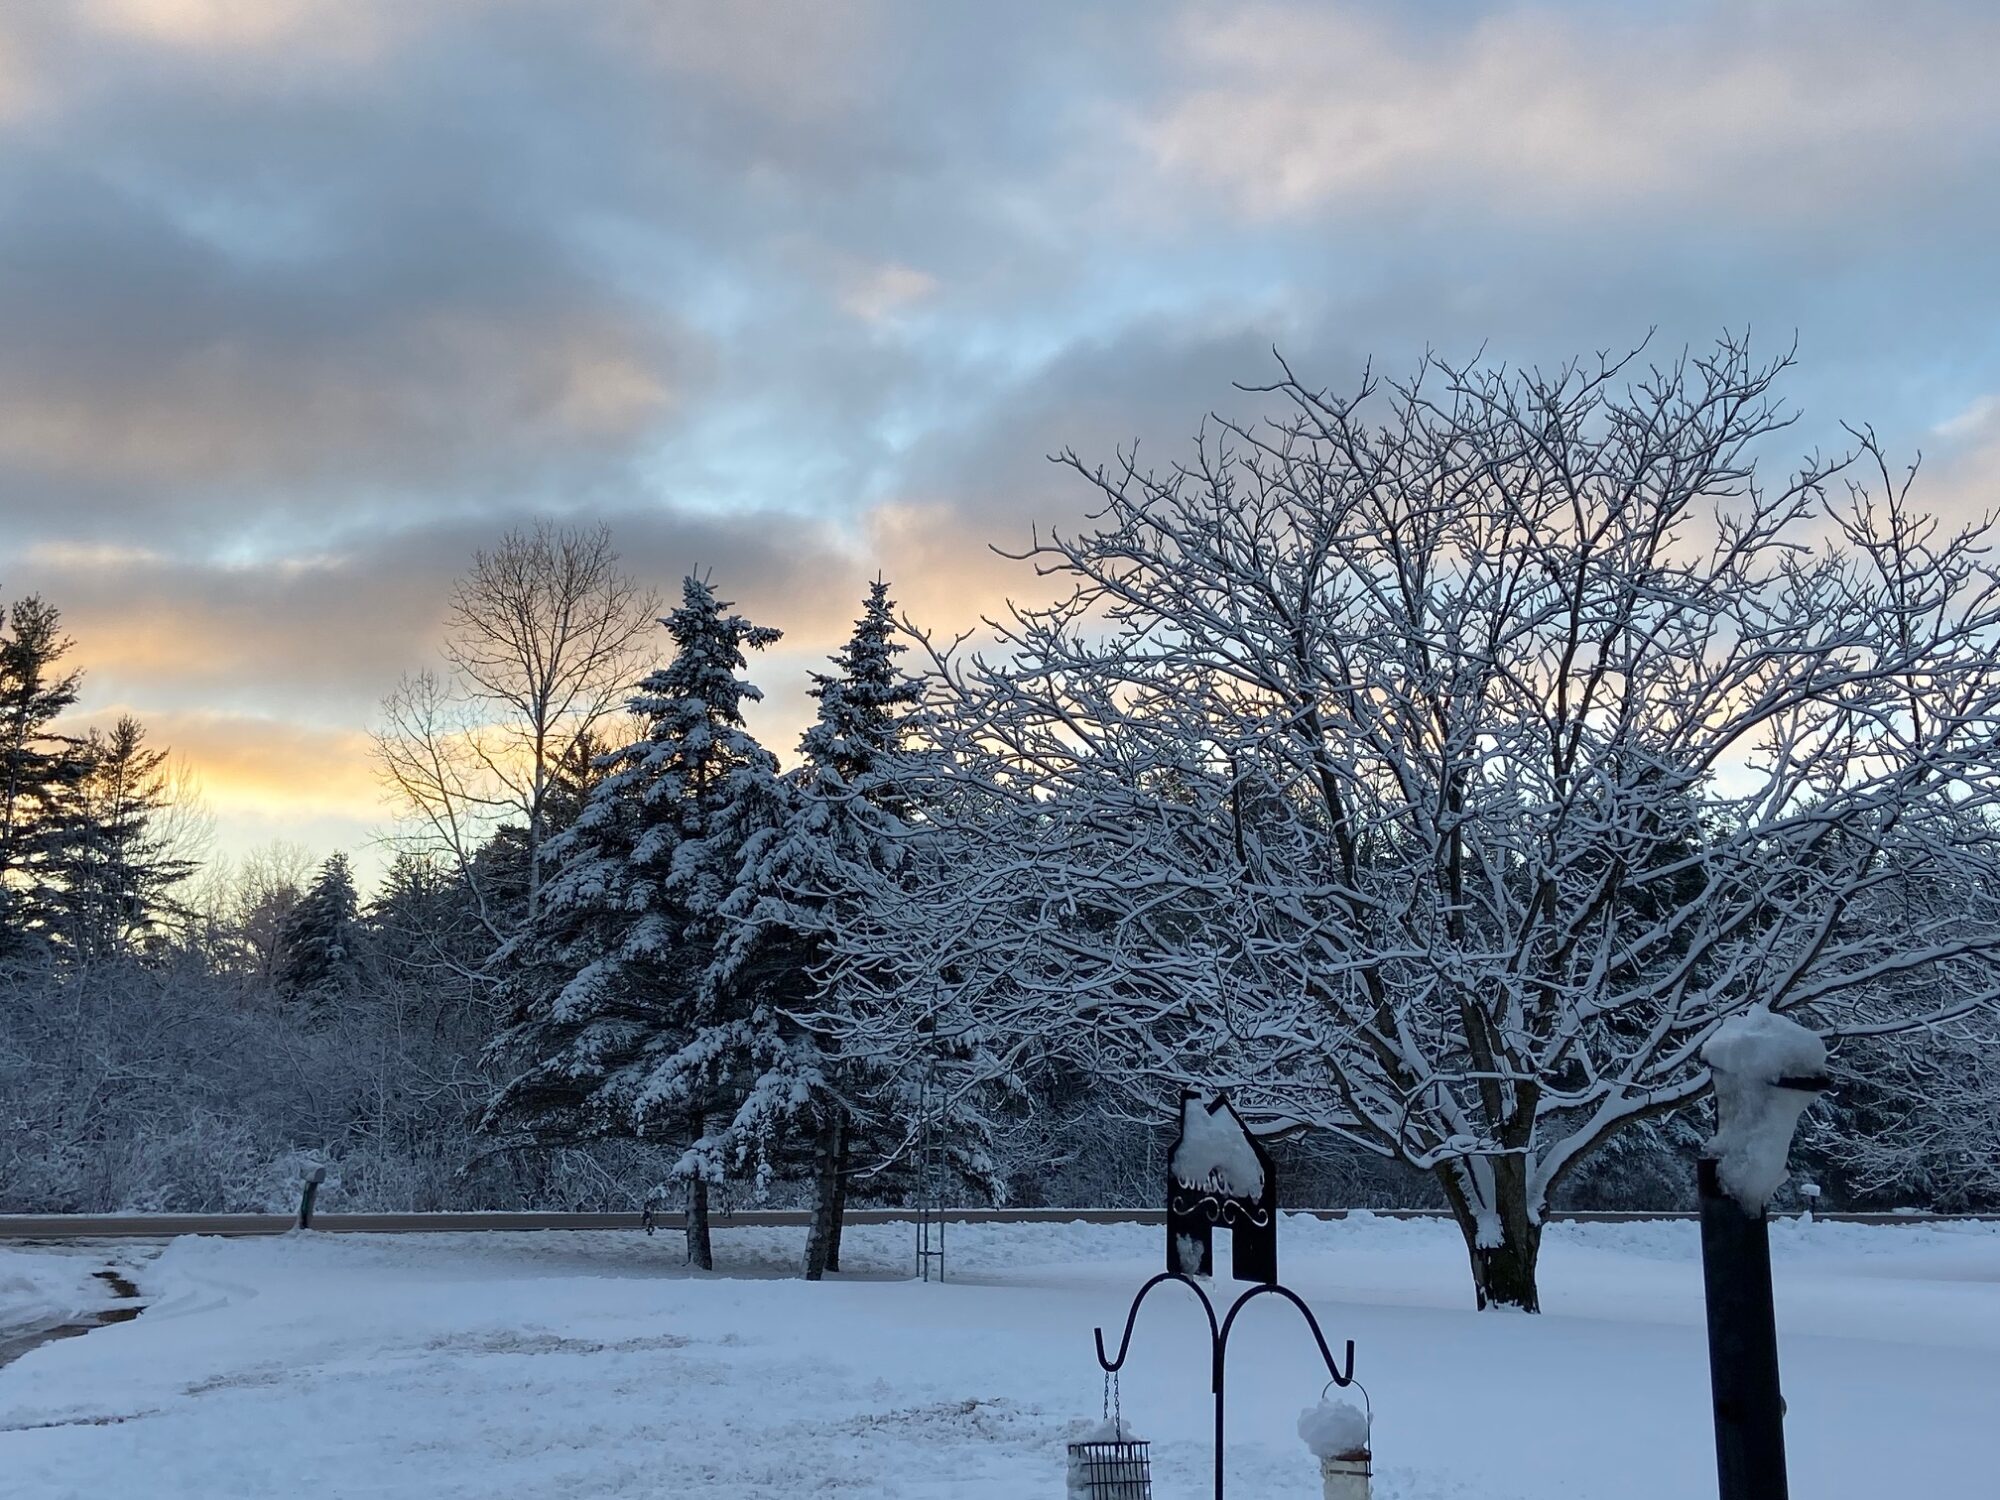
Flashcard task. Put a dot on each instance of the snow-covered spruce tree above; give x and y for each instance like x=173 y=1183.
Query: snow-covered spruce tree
x=620 y=1027
x=118 y=865
x=843 y=831
x=1438 y=765
x=40 y=769
x=321 y=939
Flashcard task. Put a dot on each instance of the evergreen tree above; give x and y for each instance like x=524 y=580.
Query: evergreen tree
x=117 y=871
x=619 y=1017
x=846 y=825
x=421 y=930
x=40 y=770
x=321 y=939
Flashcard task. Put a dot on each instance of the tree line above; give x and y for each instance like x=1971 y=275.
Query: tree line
x=1434 y=765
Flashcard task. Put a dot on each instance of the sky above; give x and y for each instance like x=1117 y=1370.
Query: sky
x=301 y=303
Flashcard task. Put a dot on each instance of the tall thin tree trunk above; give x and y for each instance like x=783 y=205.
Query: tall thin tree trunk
x=826 y=1194
x=699 y=1251
x=839 y=1220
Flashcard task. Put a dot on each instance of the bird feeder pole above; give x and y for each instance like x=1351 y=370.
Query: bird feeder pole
x=1767 y=1071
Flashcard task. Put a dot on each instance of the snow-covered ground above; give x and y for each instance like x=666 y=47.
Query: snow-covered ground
x=46 y=1289
x=574 y=1364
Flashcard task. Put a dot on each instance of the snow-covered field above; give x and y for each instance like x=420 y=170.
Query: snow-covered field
x=573 y=1364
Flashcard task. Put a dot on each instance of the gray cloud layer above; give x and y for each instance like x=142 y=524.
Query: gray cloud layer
x=301 y=301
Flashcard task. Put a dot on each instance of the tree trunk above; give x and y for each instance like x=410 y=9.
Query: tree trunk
x=699 y=1252
x=1504 y=1244
x=838 y=1220
x=826 y=1194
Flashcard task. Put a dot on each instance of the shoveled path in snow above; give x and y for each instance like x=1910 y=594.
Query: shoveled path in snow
x=49 y=1293
x=584 y=1364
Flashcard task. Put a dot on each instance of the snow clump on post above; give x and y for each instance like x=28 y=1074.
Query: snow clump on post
x=1767 y=1071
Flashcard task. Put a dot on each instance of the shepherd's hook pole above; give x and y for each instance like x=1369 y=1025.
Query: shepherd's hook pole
x=1218 y=1344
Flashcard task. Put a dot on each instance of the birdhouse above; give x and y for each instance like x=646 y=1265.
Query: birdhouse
x=1220 y=1176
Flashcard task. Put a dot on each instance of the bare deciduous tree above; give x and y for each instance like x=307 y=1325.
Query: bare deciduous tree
x=1443 y=783
x=255 y=906
x=541 y=643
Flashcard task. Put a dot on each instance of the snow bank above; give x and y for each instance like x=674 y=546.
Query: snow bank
x=1214 y=1153
x=1334 y=1429
x=1755 y=1116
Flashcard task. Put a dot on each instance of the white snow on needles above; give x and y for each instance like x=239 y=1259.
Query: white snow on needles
x=500 y=1365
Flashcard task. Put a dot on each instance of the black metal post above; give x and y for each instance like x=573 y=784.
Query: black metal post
x=313 y=1179
x=1218 y=1344
x=1742 y=1345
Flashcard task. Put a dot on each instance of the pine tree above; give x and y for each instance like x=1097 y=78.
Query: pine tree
x=619 y=1016
x=422 y=931
x=321 y=939
x=842 y=831
x=117 y=872
x=40 y=770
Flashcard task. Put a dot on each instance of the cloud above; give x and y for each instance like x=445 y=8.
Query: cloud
x=17 y=83
x=881 y=292
x=801 y=64
x=430 y=397
x=232 y=25
x=1771 y=110
x=1979 y=418
x=304 y=302
x=250 y=764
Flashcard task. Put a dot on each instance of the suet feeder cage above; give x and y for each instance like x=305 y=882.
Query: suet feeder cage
x=1114 y=1470
x=1109 y=1463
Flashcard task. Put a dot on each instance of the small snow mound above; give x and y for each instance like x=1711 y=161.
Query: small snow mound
x=1334 y=1429
x=1106 y=1431
x=1755 y=1117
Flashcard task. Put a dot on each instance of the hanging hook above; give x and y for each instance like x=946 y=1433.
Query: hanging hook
x=1125 y=1343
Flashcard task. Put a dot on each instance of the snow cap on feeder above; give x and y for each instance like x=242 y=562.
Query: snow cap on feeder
x=1218 y=1174
x=1337 y=1434
x=1767 y=1071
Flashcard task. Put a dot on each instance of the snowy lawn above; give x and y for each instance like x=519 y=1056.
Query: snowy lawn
x=573 y=1364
